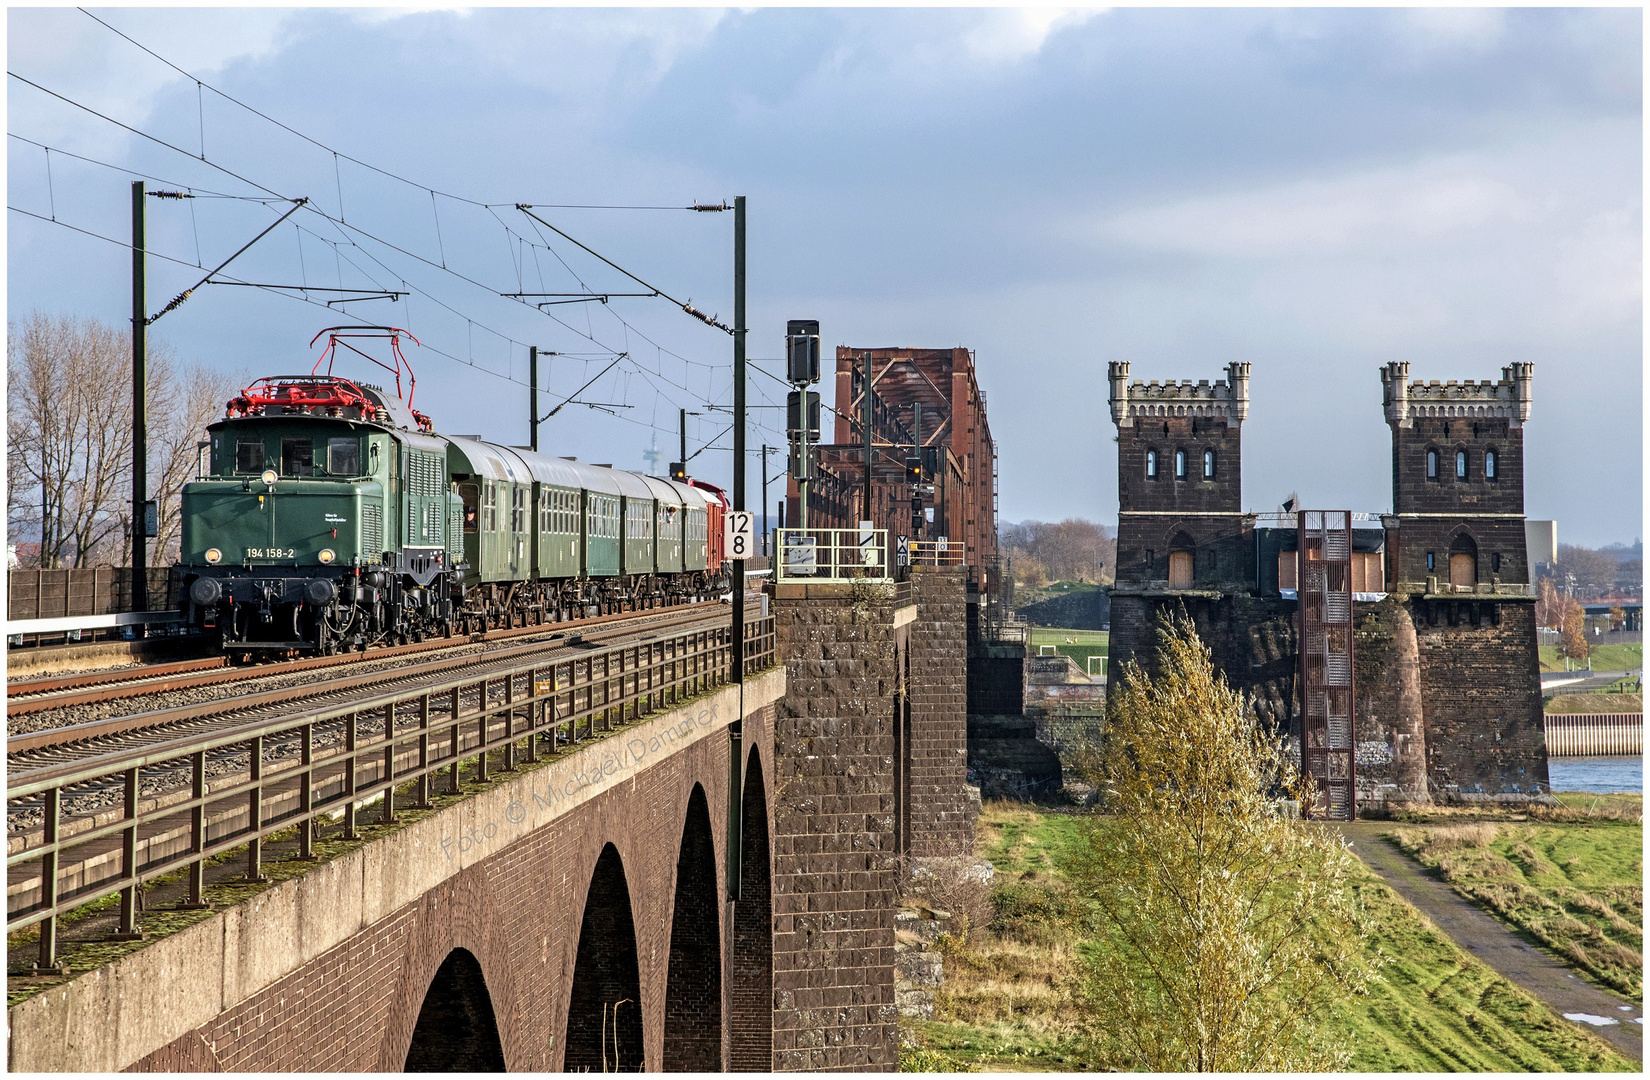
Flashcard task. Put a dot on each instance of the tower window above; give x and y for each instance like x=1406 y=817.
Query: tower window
x=1495 y=562
x=1489 y=464
x=1432 y=464
x=1151 y=464
x=1208 y=464
x=1460 y=464
x=1180 y=464
x=1432 y=562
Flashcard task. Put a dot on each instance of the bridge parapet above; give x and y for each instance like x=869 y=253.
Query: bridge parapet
x=500 y=875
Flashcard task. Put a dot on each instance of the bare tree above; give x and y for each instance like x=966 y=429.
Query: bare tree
x=68 y=433
x=69 y=436
x=1073 y=549
x=181 y=402
x=1549 y=605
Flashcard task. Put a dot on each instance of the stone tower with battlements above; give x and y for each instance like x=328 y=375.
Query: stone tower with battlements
x=1181 y=532
x=1456 y=557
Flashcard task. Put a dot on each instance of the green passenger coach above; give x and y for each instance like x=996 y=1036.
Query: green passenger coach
x=329 y=515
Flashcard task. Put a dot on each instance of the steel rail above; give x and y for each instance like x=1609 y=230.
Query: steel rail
x=147 y=721
x=108 y=686
x=684 y=663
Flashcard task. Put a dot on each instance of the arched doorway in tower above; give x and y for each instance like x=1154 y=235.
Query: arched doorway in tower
x=693 y=987
x=750 y=1042
x=604 y=1011
x=456 y=1029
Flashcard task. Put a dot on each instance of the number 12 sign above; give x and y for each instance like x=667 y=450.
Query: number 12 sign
x=738 y=537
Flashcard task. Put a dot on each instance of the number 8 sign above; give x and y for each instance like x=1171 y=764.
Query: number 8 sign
x=738 y=537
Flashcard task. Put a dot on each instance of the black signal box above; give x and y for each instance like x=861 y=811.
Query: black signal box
x=794 y=417
x=802 y=351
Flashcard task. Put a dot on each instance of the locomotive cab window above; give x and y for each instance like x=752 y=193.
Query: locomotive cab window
x=297 y=457
x=470 y=496
x=344 y=457
x=249 y=456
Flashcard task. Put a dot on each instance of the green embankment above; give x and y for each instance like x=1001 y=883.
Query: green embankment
x=1006 y=1003
x=1618 y=656
x=1577 y=890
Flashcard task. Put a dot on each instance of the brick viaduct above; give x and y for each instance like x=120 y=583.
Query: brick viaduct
x=577 y=916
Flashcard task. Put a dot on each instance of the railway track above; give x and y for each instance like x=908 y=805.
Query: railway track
x=26 y=698
x=131 y=733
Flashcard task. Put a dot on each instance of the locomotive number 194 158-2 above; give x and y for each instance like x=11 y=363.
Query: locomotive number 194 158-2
x=271 y=553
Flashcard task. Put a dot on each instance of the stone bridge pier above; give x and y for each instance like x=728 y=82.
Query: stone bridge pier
x=579 y=915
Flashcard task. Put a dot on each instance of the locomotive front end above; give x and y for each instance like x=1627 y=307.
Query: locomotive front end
x=285 y=545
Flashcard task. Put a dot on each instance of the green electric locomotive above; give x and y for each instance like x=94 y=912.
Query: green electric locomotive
x=331 y=516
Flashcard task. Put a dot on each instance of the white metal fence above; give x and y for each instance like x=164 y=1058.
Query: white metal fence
x=826 y=555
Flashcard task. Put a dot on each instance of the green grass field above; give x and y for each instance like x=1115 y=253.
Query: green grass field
x=1077 y=644
x=1006 y=1003
x=1595 y=703
x=1621 y=656
x=1578 y=890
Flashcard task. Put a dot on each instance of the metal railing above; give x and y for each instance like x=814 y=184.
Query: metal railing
x=833 y=555
x=936 y=553
x=95 y=827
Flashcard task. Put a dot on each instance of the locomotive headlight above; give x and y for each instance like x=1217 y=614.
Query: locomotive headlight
x=326 y=556
x=270 y=476
x=213 y=555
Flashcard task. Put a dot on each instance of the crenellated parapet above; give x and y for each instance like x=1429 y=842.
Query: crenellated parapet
x=1227 y=401
x=1508 y=398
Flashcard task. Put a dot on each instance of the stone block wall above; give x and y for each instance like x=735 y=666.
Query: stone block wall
x=941 y=816
x=834 y=864
x=1481 y=695
x=996 y=679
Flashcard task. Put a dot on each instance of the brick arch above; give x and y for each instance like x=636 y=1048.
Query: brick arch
x=460 y=913
x=456 y=1030
x=693 y=982
x=751 y=997
x=606 y=978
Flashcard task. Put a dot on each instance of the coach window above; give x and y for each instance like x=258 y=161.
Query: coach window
x=1460 y=464
x=469 y=495
x=1180 y=464
x=1432 y=464
x=344 y=457
x=1489 y=464
x=1208 y=464
x=297 y=457
x=490 y=492
x=249 y=457
x=1151 y=464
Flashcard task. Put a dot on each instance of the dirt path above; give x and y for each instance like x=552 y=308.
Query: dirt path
x=1492 y=942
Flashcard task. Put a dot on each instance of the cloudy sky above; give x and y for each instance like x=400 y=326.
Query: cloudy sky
x=1313 y=191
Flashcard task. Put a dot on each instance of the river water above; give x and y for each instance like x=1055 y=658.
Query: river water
x=1597 y=774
